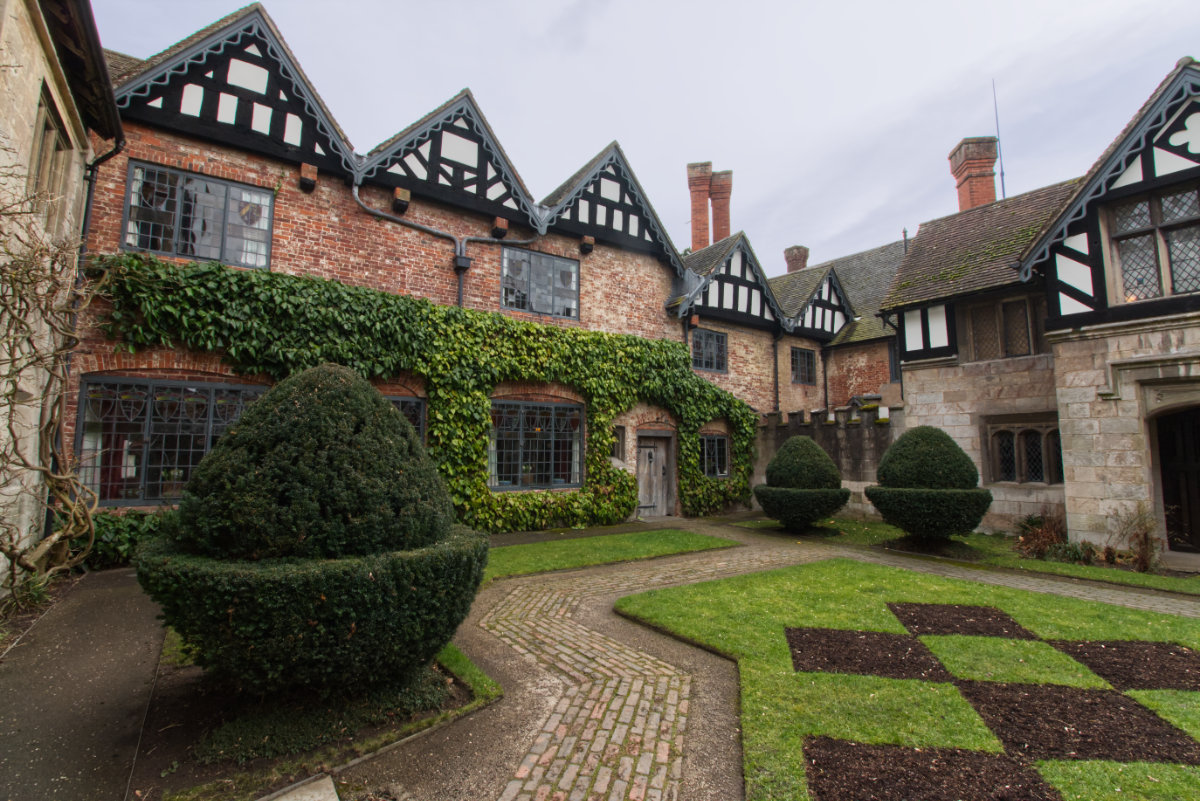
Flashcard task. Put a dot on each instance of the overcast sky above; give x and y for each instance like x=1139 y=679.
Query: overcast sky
x=836 y=118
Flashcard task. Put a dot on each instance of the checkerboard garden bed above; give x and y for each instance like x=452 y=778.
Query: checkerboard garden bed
x=878 y=683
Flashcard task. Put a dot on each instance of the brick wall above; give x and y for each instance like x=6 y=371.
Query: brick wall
x=861 y=370
x=750 y=373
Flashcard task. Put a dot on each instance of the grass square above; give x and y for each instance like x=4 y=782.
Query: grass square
x=1013 y=661
x=1180 y=708
x=1088 y=780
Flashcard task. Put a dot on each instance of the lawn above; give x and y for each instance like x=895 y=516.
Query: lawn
x=783 y=708
x=541 y=557
x=993 y=550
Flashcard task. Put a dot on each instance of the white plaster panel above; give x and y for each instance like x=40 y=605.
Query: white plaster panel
x=261 y=119
x=939 y=334
x=1132 y=175
x=456 y=148
x=1166 y=162
x=1068 y=305
x=293 y=129
x=156 y=103
x=227 y=108
x=1078 y=242
x=1076 y=274
x=248 y=76
x=610 y=190
x=914 y=337
x=193 y=97
x=414 y=164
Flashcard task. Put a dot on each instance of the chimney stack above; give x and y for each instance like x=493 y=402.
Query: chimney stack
x=719 y=190
x=796 y=257
x=699 y=180
x=973 y=164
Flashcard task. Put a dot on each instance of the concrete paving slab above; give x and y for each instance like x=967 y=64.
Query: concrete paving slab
x=75 y=690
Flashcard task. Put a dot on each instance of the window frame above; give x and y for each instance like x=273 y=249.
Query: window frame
x=413 y=402
x=711 y=347
x=1157 y=230
x=1034 y=308
x=799 y=369
x=522 y=407
x=714 y=455
x=1049 y=438
x=509 y=284
x=146 y=435
x=177 y=217
x=49 y=157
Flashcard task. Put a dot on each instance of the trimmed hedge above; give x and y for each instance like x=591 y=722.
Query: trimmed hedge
x=931 y=513
x=803 y=485
x=321 y=466
x=803 y=464
x=274 y=624
x=929 y=458
x=797 y=509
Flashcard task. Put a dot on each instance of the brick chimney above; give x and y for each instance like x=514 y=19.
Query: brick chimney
x=699 y=181
x=719 y=190
x=973 y=163
x=796 y=257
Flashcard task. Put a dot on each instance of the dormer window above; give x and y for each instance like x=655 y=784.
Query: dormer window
x=1156 y=245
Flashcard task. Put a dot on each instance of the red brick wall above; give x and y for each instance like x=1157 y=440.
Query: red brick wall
x=860 y=370
x=799 y=397
x=750 y=375
x=326 y=234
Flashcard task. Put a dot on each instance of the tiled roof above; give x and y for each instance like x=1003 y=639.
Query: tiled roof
x=120 y=65
x=564 y=190
x=794 y=290
x=975 y=249
x=705 y=260
x=865 y=278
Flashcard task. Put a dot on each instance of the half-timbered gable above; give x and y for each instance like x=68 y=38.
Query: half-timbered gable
x=452 y=155
x=604 y=200
x=237 y=83
x=728 y=284
x=1127 y=243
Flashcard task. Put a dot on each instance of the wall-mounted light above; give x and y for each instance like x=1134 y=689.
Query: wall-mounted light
x=400 y=200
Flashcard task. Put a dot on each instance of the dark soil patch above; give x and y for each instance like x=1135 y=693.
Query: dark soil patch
x=875 y=653
x=1130 y=665
x=18 y=621
x=987 y=621
x=845 y=771
x=185 y=707
x=1037 y=721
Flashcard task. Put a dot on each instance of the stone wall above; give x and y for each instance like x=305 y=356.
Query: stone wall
x=1111 y=381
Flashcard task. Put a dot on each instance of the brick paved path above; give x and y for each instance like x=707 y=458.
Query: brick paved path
x=616 y=727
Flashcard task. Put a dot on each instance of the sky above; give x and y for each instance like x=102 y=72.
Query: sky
x=836 y=118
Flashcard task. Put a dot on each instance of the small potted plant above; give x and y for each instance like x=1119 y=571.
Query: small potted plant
x=526 y=474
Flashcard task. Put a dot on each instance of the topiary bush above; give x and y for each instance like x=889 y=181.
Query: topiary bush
x=314 y=545
x=803 y=485
x=927 y=486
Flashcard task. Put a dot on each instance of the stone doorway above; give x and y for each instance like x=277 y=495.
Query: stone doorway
x=1179 y=461
x=655 y=495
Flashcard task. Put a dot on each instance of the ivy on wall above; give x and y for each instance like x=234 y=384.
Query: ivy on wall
x=272 y=323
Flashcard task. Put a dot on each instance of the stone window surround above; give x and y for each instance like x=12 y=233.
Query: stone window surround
x=1110 y=254
x=1044 y=427
x=1034 y=310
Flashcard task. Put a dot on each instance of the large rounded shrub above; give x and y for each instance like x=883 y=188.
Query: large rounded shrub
x=927 y=486
x=803 y=485
x=314 y=546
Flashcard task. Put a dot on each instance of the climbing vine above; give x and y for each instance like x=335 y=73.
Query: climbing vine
x=272 y=323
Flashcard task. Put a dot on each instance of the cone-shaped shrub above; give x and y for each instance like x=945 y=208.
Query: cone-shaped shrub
x=927 y=486
x=314 y=546
x=803 y=485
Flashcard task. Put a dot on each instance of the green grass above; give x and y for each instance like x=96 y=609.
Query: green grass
x=1000 y=659
x=993 y=550
x=744 y=618
x=1180 y=708
x=1121 y=781
x=540 y=557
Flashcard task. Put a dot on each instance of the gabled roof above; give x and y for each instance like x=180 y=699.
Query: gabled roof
x=864 y=277
x=120 y=65
x=975 y=249
x=589 y=187
x=704 y=266
x=1183 y=81
x=77 y=45
x=405 y=159
x=188 y=57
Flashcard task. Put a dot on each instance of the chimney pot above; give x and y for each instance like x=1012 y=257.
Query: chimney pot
x=699 y=179
x=719 y=189
x=973 y=165
x=796 y=257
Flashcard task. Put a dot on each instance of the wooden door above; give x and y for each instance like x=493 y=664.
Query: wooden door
x=653 y=480
x=1179 y=460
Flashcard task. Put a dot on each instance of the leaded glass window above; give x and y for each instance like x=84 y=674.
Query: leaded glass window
x=1005 y=329
x=535 y=446
x=197 y=217
x=804 y=366
x=539 y=283
x=413 y=410
x=1026 y=452
x=708 y=350
x=139 y=441
x=714 y=455
x=1156 y=244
